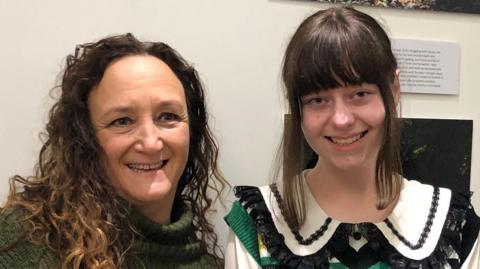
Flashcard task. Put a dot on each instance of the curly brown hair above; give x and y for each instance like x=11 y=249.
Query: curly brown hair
x=69 y=204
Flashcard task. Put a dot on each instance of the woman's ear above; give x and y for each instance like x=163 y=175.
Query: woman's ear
x=396 y=87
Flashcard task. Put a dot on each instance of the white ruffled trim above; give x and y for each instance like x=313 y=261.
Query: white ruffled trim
x=316 y=218
x=408 y=217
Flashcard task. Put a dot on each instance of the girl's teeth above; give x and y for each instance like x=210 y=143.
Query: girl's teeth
x=346 y=141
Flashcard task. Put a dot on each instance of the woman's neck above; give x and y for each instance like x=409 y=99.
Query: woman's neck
x=158 y=211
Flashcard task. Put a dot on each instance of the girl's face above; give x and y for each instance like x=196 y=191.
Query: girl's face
x=344 y=125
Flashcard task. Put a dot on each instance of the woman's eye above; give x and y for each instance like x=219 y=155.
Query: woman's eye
x=121 y=122
x=169 y=117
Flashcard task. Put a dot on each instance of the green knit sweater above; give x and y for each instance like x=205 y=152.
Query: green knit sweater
x=172 y=245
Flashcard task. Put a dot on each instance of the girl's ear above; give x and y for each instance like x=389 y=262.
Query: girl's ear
x=396 y=87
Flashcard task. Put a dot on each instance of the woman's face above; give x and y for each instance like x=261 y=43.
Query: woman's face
x=344 y=126
x=140 y=116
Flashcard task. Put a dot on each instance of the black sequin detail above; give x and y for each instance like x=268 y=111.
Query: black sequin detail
x=357 y=235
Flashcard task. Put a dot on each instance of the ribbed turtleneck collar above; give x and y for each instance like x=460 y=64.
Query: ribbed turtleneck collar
x=174 y=241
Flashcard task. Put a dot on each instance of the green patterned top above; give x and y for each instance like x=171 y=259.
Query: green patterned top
x=246 y=231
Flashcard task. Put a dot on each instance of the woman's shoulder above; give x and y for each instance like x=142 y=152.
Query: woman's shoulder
x=15 y=250
x=11 y=229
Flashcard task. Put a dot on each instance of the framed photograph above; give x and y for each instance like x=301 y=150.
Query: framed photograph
x=464 y=6
x=437 y=151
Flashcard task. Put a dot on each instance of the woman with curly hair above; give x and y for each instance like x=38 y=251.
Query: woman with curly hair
x=123 y=175
x=347 y=205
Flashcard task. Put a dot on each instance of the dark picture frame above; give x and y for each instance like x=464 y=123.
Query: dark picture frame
x=463 y=6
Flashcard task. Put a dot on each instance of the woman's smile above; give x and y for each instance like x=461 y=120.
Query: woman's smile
x=145 y=167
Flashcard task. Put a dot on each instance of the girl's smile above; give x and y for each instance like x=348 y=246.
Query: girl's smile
x=348 y=140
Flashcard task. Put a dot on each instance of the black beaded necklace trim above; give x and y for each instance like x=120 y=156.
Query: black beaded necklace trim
x=314 y=236
x=426 y=229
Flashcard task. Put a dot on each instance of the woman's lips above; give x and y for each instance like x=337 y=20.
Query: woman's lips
x=146 y=167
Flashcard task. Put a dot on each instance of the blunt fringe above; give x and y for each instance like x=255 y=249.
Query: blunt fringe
x=337 y=47
x=69 y=205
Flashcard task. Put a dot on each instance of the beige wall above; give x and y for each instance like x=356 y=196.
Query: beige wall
x=236 y=45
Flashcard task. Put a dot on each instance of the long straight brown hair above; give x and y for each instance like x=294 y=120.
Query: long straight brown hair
x=336 y=47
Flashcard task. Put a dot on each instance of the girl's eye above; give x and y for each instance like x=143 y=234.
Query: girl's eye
x=317 y=100
x=361 y=94
x=121 y=122
x=314 y=100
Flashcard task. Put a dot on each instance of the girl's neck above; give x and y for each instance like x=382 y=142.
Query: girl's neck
x=356 y=182
x=347 y=196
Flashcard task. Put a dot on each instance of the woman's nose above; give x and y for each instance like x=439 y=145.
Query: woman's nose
x=342 y=116
x=149 y=138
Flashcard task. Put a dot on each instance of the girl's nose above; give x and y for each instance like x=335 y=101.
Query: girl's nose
x=342 y=116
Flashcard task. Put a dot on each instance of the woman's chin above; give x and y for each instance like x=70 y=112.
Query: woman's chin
x=153 y=194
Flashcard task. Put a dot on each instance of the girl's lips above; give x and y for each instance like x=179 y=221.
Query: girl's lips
x=348 y=140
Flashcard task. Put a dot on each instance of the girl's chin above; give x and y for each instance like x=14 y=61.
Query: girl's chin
x=350 y=163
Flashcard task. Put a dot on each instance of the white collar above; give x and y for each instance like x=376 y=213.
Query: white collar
x=408 y=217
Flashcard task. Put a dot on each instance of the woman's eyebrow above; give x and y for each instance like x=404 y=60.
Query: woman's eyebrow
x=173 y=104
x=117 y=110
x=126 y=109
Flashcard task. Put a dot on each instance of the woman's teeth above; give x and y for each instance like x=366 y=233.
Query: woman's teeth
x=140 y=167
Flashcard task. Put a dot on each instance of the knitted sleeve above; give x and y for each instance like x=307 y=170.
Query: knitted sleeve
x=18 y=253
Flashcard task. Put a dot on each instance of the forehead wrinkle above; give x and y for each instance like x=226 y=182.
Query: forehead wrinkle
x=122 y=109
x=134 y=71
x=131 y=80
x=134 y=107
